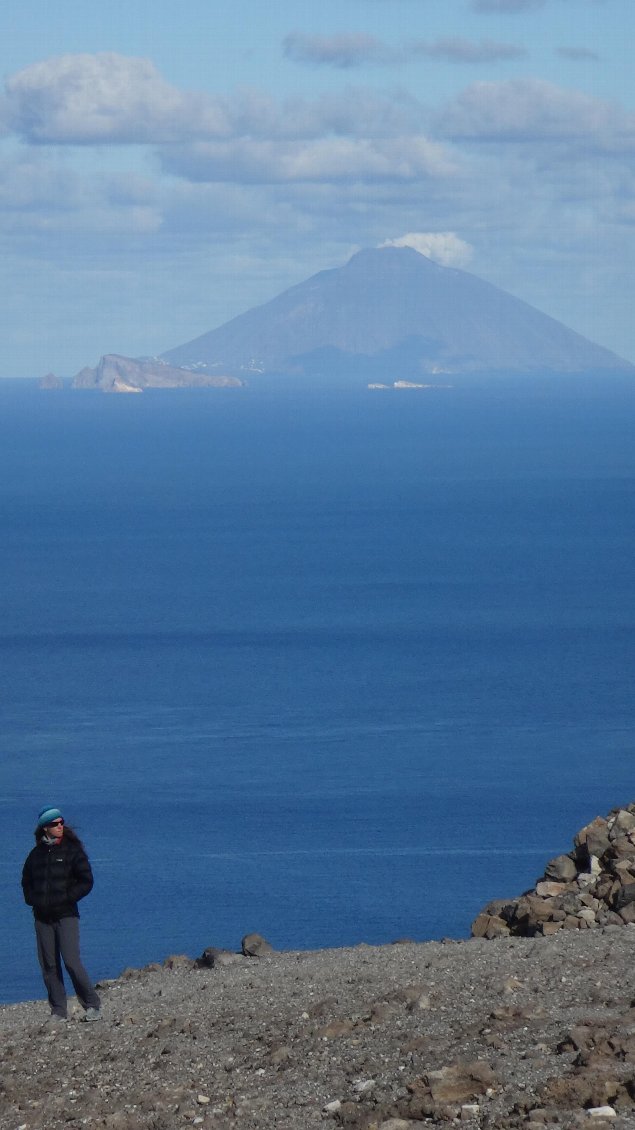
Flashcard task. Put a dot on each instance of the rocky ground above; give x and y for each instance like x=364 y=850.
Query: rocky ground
x=509 y=1032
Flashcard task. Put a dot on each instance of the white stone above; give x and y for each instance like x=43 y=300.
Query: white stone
x=586 y=914
x=510 y=984
x=333 y=1107
x=585 y=879
x=363 y=1086
x=546 y=888
x=602 y=1112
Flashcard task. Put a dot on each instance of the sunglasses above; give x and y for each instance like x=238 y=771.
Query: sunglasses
x=55 y=823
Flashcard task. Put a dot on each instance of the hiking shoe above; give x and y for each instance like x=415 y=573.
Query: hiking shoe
x=56 y=1018
x=91 y=1014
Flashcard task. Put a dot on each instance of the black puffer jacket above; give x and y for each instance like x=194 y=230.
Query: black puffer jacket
x=54 y=878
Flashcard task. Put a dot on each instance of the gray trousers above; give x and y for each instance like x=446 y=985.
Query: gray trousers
x=57 y=942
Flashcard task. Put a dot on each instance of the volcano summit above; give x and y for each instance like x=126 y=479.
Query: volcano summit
x=393 y=307
x=387 y=313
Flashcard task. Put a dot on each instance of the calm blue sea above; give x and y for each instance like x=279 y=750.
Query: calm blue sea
x=336 y=668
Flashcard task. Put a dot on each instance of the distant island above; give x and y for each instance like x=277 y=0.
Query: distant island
x=50 y=381
x=388 y=310
x=122 y=374
x=404 y=384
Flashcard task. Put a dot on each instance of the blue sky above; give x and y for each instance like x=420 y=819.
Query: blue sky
x=166 y=166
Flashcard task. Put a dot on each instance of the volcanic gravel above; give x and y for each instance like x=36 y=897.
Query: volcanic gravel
x=531 y=1032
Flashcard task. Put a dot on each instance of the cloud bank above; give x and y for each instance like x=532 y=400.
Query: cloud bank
x=348 y=51
x=578 y=54
x=342 y=51
x=104 y=98
x=507 y=5
x=264 y=190
x=533 y=110
x=459 y=50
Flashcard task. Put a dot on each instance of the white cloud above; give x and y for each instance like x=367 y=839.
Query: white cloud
x=506 y=5
x=352 y=111
x=325 y=159
x=104 y=98
x=456 y=49
x=351 y=50
x=513 y=6
x=30 y=184
x=578 y=54
x=47 y=205
x=532 y=110
x=113 y=99
x=343 y=51
x=445 y=247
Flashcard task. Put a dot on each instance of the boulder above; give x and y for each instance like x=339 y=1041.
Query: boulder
x=627 y=913
x=217 y=958
x=489 y=926
x=254 y=945
x=457 y=1083
x=594 y=836
x=178 y=961
x=624 y=821
x=547 y=889
x=561 y=869
x=622 y=847
x=624 y=896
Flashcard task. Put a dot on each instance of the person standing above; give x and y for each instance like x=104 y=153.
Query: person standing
x=55 y=876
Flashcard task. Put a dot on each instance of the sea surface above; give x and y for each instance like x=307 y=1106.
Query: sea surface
x=335 y=667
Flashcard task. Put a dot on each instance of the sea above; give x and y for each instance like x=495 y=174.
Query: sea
x=337 y=666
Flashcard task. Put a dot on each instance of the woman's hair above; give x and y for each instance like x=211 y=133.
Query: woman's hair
x=69 y=834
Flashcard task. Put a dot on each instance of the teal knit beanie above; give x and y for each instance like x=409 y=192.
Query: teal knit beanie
x=47 y=815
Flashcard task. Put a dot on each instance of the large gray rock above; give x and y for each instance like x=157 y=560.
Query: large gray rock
x=624 y=896
x=217 y=958
x=254 y=945
x=561 y=868
x=594 y=837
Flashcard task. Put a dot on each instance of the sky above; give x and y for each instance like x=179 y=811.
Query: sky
x=165 y=166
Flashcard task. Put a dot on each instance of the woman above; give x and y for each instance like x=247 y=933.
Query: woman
x=56 y=875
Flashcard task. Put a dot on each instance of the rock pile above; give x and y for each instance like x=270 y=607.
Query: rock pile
x=593 y=885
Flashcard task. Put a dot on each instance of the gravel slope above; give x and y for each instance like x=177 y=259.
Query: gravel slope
x=503 y=1033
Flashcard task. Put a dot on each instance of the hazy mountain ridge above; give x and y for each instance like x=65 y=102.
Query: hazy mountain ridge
x=389 y=314
x=390 y=306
